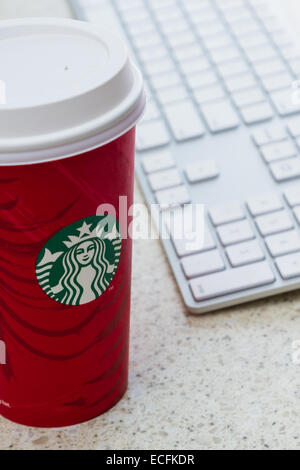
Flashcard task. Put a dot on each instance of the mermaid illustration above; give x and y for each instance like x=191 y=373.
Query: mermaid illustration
x=83 y=271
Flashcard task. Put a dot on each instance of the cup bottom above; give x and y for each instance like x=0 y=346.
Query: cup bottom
x=63 y=417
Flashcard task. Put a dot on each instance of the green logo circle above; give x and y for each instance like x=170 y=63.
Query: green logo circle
x=78 y=264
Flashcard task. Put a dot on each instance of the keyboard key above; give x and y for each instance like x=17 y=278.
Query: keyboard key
x=133 y=15
x=194 y=6
x=236 y=15
x=188 y=52
x=158 y=4
x=261 y=54
x=277 y=82
x=286 y=170
x=202 y=171
x=176 y=26
x=238 y=232
x=220 y=116
x=289 y=266
x=244 y=28
x=165 y=80
x=245 y=253
x=217 y=41
x=290 y=52
x=284 y=102
x=284 y=243
x=206 y=14
x=248 y=97
x=204 y=18
x=225 y=54
x=165 y=179
x=209 y=29
x=149 y=54
x=274 y=223
x=147 y=40
x=269 y=68
x=263 y=10
x=156 y=161
x=191 y=244
x=292 y=195
x=281 y=39
x=272 y=25
x=225 y=214
x=184 y=120
x=202 y=264
x=141 y=27
x=229 y=69
x=172 y=94
x=159 y=66
x=294 y=128
x=167 y=23
x=208 y=94
x=129 y=4
x=257 y=113
x=231 y=281
x=168 y=198
x=181 y=39
x=152 y=134
x=253 y=40
x=168 y=14
x=269 y=134
x=278 y=151
x=202 y=14
x=203 y=79
x=264 y=204
x=189 y=67
x=229 y=5
x=241 y=82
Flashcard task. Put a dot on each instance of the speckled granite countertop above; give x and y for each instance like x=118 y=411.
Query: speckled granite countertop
x=223 y=381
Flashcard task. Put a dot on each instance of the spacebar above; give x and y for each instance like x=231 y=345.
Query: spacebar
x=234 y=280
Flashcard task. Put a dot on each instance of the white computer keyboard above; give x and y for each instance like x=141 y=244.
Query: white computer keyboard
x=221 y=129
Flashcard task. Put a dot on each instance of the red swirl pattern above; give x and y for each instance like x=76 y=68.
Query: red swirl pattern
x=65 y=364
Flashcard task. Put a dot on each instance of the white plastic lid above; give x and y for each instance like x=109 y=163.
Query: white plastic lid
x=66 y=86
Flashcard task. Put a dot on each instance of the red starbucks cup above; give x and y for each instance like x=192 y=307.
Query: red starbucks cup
x=69 y=104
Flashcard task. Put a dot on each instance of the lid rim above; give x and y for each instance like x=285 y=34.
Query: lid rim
x=81 y=146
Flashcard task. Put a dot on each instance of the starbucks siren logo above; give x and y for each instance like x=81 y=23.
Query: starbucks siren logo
x=78 y=264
